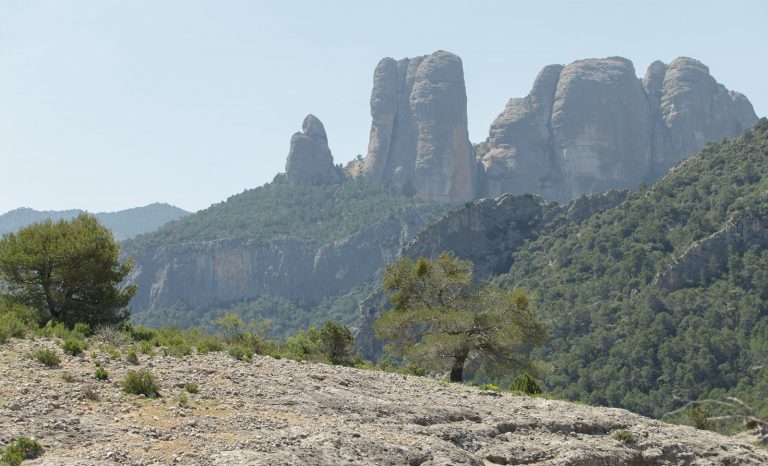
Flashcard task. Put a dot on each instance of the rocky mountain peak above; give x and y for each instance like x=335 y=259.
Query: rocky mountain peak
x=309 y=158
x=419 y=133
x=592 y=125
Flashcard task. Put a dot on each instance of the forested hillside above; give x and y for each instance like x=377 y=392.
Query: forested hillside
x=665 y=295
x=295 y=254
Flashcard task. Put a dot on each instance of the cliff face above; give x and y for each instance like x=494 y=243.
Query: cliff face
x=419 y=138
x=217 y=273
x=708 y=258
x=592 y=125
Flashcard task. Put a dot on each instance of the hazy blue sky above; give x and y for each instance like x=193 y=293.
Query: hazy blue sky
x=110 y=104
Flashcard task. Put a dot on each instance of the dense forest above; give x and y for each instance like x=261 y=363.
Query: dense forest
x=620 y=334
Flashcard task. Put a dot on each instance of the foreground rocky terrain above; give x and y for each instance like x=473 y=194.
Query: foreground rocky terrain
x=285 y=412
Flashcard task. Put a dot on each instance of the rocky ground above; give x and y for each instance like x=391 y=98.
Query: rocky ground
x=285 y=412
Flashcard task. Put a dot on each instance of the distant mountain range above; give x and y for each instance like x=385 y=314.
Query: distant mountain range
x=124 y=223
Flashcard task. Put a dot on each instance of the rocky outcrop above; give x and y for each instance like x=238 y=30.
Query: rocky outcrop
x=592 y=125
x=419 y=139
x=207 y=274
x=708 y=258
x=309 y=158
x=272 y=411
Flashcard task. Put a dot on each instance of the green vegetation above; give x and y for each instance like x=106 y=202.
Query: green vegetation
x=16 y=320
x=191 y=387
x=48 y=357
x=526 y=384
x=73 y=345
x=141 y=382
x=101 y=374
x=22 y=449
x=617 y=338
x=441 y=320
x=68 y=271
x=623 y=436
x=315 y=214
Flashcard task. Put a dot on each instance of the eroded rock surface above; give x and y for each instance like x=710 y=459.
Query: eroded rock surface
x=593 y=125
x=309 y=158
x=419 y=139
x=284 y=412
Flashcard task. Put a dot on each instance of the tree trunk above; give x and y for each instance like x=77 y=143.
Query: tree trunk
x=457 y=371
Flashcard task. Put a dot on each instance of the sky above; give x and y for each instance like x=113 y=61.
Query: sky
x=112 y=104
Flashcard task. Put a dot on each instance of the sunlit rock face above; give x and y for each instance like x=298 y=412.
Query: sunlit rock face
x=593 y=125
x=419 y=138
x=309 y=158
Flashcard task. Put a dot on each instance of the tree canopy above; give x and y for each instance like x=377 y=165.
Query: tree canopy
x=67 y=270
x=440 y=319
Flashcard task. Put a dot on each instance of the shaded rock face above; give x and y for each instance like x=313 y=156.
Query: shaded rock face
x=419 y=135
x=309 y=158
x=487 y=232
x=708 y=258
x=217 y=273
x=592 y=125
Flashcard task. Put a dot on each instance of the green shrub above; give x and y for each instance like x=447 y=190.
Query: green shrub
x=48 y=357
x=526 y=384
x=623 y=436
x=182 y=399
x=140 y=333
x=132 y=357
x=16 y=321
x=67 y=377
x=83 y=329
x=100 y=373
x=141 y=382
x=147 y=347
x=111 y=351
x=73 y=346
x=241 y=353
x=53 y=329
x=699 y=418
x=22 y=449
x=191 y=387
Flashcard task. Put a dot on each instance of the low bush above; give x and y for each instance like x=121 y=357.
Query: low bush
x=147 y=347
x=191 y=387
x=132 y=357
x=526 y=384
x=623 y=436
x=16 y=321
x=100 y=374
x=48 y=357
x=141 y=382
x=22 y=449
x=73 y=346
x=182 y=399
x=111 y=335
x=83 y=329
x=241 y=353
x=67 y=377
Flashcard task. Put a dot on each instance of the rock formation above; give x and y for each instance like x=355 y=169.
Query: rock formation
x=708 y=258
x=309 y=158
x=419 y=137
x=592 y=125
x=276 y=411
